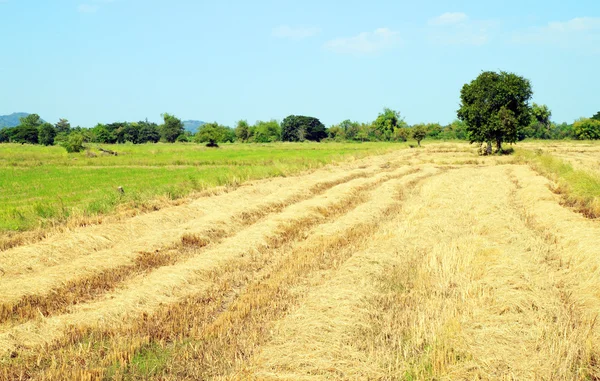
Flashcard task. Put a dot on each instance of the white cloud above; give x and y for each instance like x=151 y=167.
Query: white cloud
x=458 y=29
x=449 y=18
x=295 y=33
x=365 y=43
x=87 y=8
x=580 y=32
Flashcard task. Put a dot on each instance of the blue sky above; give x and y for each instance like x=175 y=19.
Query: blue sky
x=113 y=60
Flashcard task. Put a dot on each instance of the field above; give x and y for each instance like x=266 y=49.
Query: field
x=388 y=263
x=44 y=187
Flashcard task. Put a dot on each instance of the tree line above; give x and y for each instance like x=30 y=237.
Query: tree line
x=533 y=122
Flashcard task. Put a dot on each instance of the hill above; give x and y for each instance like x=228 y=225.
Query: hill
x=11 y=120
x=192 y=125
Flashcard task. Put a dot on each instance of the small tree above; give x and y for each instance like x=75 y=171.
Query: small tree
x=242 y=131
x=419 y=132
x=210 y=133
x=46 y=134
x=387 y=122
x=596 y=116
x=336 y=133
x=74 y=143
x=495 y=107
x=267 y=132
x=172 y=127
x=63 y=126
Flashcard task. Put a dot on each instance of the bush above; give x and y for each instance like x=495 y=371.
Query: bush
x=74 y=143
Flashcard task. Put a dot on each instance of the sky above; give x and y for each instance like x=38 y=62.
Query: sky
x=101 y=61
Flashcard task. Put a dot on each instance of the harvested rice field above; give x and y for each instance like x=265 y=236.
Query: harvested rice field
x=406 y=264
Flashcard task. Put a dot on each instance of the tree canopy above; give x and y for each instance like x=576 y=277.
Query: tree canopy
x=587 y=129
x=495 y=107
x=171 y=128
x=296 y=128
x=387 y=122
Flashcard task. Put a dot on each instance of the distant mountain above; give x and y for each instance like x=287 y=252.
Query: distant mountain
x=192 y=125
x=11 y=120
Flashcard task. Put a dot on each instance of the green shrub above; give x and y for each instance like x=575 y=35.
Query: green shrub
x=74 y=143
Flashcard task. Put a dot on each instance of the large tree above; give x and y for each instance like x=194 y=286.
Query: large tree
x=495 y=107
x=171 y=128
x=296 y=128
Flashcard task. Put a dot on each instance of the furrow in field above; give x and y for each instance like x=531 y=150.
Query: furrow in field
x=321 y=338
x=169 y=283
x=88 y=286
x=76 y=242
x=223 y=344
x=207 y=334
x=470 y=296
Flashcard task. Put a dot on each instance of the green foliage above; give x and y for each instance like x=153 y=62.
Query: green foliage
x=24 y=134
x=266 y=132
x=495 y=107
x=297 y=128
x=4 y=135
x=434 y=131
x=74 y=143
x=46 y=134
x=540 y=126
x=386 y=124
x=63 y=126
x=596 y=116
x=587 y=129
x=103 y=135
x=242 y=131
x=214 y=133
x=402 y=134
x=128 y=132
x=419 y=132
x=336 y=133
x=31 y=120
x=455 y=130
x=148 y=132
x=184 y=138
x=171 y=128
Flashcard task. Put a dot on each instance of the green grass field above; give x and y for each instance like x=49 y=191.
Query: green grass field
x=40 y=185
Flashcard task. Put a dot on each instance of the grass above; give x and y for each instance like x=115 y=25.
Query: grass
x=580 y=188
x=45 y=186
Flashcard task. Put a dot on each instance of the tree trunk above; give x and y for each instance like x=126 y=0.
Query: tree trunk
x=498 y=145
x=488 y=150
